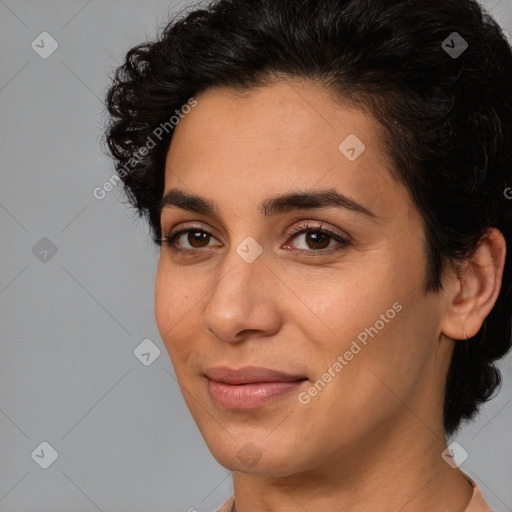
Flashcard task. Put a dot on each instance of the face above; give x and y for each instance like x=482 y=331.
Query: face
x=330 y=294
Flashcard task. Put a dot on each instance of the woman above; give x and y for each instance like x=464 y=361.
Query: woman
x=326 y=180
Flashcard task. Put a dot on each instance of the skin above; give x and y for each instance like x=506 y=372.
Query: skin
x=372 y=438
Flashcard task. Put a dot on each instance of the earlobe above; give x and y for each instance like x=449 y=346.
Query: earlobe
x=477 y=289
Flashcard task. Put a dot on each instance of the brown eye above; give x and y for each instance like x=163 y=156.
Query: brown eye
x=197 y=238
x=318 y=239
x=188 y=240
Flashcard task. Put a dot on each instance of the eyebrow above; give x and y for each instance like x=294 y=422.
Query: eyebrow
x=177 y=198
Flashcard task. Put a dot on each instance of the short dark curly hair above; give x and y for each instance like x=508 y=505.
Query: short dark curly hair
x=447 y=118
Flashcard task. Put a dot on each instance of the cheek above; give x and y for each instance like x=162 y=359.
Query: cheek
x=370 y=319
x=164 y=298
x=387 y=352
x=173 y=304
x=344 y=305
x=175 y=294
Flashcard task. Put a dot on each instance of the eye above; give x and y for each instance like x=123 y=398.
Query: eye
x=196 y=237
x=319 y=239
x=316 y=240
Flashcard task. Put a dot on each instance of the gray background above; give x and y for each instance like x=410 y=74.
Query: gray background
x=70 y=323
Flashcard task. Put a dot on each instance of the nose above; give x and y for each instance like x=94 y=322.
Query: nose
x=245 y=297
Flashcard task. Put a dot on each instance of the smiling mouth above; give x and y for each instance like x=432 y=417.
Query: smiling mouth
x=250 y=395
x=249 y=375
x=249 y=387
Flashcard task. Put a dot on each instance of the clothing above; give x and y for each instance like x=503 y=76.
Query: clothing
x=228 y=506
x=477 y=503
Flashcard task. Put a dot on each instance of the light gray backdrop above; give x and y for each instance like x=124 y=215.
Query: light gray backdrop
x=76 y=292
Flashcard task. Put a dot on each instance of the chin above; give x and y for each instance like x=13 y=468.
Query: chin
x=246 y=457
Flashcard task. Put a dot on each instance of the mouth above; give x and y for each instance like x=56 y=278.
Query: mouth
x=249 y=375
x=249 y=387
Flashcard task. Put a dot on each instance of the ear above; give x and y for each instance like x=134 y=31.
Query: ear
x=475 y=289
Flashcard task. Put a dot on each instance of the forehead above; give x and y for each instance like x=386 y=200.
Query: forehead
x=246 y=145
x=284 y=113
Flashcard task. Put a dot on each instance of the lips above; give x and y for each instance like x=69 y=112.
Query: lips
x=249 y=375
x=250 y=387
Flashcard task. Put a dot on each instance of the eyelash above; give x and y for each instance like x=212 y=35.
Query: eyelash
x=343 y=242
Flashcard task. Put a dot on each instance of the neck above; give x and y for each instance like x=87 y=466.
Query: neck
x=390 y=472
